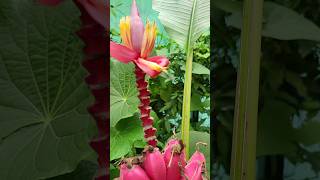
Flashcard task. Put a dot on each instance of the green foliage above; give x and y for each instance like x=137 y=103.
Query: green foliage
x=167 y=91
x=279 y=22
x=84 y=171
x=191 y=20
x=289 y=81
x=197 y=68
x=198 y=136
x=123 y=136
x=123 y=91
x=44 y=124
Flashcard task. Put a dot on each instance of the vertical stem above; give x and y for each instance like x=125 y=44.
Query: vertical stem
x=144 y=107
x=185 y=126
x=187 y=85
x=243 y=165
x=95 y=62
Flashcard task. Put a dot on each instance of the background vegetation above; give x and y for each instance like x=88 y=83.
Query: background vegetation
x=289 y=121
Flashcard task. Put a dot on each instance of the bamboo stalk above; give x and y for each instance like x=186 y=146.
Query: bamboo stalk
x=243 y=165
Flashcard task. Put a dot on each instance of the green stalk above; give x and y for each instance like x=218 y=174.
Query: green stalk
x=243 y=164
x=185 y=124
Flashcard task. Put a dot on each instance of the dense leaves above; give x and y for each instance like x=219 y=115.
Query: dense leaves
x=44 y=125
x=124 y=135
x=198 y=136
x=289 y=83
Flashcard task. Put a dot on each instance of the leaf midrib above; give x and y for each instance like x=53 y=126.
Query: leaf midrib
x=63 y=79
x=32 y=73
x=190 y=31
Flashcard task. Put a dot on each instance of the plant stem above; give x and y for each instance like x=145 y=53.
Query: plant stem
x=95 y=62
x=243 y=164
x=145 y=109
x=185 y=126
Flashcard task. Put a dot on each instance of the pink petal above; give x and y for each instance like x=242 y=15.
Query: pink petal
x=152 y=73
x=174 y=157
x=193 y=170
x=50 y=2
x=97 y=10
x=122 y=53
x=134 y=9
x=137 y=28
x=197 y=156
x=161 y=60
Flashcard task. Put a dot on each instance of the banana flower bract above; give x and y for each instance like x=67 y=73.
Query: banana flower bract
x=138 y=43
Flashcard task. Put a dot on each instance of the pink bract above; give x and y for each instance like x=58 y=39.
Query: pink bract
x=154 y=164
x=138 y=43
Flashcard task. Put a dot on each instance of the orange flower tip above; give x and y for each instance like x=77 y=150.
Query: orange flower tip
x=125 y=31
x=156 y=67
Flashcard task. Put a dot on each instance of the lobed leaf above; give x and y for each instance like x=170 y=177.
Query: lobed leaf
x=123 y=92
x=44 y=124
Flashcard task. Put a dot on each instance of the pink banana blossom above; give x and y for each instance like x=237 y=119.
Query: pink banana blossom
x=195 y=167
x=175 y=159
x=132 y=172
x=169 y=165
x=153 y=163
x=138 y=43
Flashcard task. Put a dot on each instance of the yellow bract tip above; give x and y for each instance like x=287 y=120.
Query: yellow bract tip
x=155 y=66
x=125 y=31
x=149 y=38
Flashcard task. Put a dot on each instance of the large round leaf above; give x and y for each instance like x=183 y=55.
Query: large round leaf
x=123 y=136
x=123 y=91
x=43 y=98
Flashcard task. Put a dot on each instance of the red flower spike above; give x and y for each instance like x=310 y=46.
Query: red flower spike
x=94 y=36
x=153 y=142
x=149 y=132
x=100 y=145
x=147 y=121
